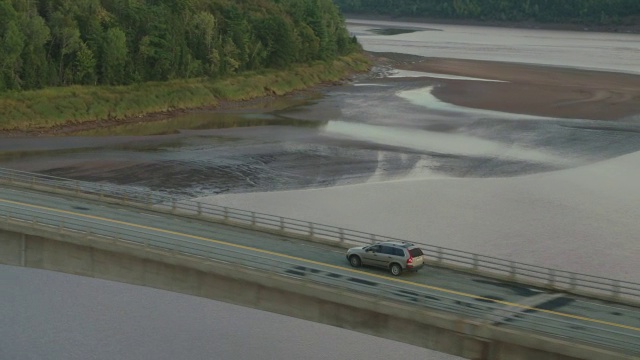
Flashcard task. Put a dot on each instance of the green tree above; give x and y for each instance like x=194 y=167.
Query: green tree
x=67 y=38
x=11 y=46
x=63 y=42
x=34 y=55
x=279 y=40
x=8 y=17
x=239 y=31
x=308 y=43
x=201 y=33
x=231 y=62
x=85 y=66
x=114 y=56
x=155 y=59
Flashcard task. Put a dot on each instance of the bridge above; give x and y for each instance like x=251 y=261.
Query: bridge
x=464 y=304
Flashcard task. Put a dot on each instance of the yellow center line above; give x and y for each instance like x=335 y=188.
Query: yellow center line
x=430 y=287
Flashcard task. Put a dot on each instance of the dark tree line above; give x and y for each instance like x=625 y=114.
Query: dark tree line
x=63 y=42
x=597 y=12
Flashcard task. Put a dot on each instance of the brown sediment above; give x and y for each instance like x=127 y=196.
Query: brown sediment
x=530 y=89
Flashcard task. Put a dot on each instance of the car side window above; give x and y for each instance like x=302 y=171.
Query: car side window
x=398 y=252
x=375 y=248
x=388 y=250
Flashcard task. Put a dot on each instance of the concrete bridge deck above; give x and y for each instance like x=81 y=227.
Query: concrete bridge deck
x=488 y=302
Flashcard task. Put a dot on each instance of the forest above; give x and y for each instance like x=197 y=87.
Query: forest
x=591 y=12
x=45 y=43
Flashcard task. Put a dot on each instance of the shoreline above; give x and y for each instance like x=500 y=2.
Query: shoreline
x=527 y=89
x=120 y=105
x=257 y=104
x=623 y=29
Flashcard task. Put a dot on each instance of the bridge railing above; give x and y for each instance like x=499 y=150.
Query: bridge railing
x=503 y=269
x=491 y=313
x=105 y=191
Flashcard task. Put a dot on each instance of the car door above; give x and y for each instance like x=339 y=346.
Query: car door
x=369 y=257
x=399 y=256
x=385 y=256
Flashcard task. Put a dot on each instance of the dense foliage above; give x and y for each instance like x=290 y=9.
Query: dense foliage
x=559 y=11
x=59 y=106
x=63 y=42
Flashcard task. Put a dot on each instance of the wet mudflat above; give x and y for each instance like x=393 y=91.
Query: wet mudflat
x=375 y=128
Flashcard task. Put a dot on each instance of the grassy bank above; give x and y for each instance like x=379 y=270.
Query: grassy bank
x=54 y=107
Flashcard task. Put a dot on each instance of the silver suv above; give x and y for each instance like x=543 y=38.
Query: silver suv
x=392 y=255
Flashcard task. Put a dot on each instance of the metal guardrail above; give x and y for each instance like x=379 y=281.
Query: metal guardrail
x=173 y=246
x=555 y=279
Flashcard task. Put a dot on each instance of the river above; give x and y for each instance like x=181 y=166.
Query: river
x=343 y=139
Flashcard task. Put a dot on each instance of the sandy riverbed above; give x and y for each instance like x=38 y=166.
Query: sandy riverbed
x=529 y=89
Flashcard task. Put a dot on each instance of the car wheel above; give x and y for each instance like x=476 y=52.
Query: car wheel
x=396 y=270
x=355 y=261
